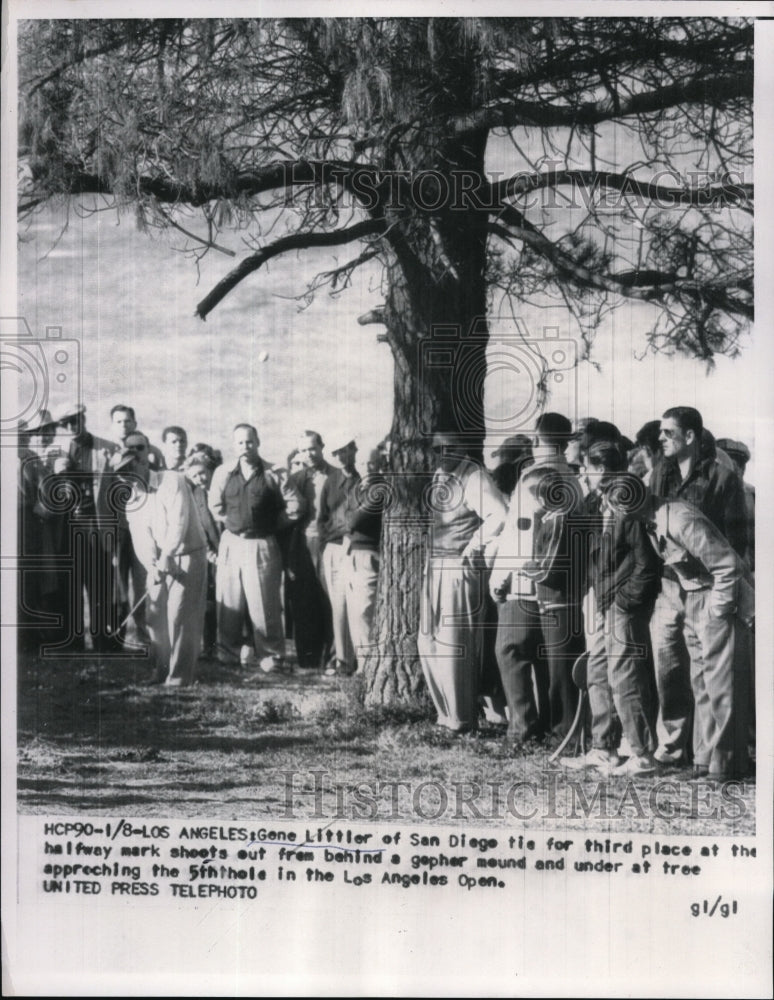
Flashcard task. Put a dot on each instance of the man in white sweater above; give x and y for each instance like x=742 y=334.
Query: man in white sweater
x=169 y=540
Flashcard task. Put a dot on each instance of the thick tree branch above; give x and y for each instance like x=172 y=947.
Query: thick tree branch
x=509 y=114
x=296 y=241
x=576 y=60
x=729 y=193
x=280 y=175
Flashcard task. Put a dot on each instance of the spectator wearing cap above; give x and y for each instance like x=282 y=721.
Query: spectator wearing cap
x=575 y=444
x=739 y=454
x=37 y=584
x=514 y=453
x=647 y=440
x=467 y=512
x=170 y=542
x=252 y=502
x=199 y=467
x=376 y=462
x=536 y=581
x=306 y=584
x=710 y=450
x=622 y=572
x=338 y=498
x=361 y=545
x=43 y=436
x=718 y=607
x=88 y=534
x=689 y=475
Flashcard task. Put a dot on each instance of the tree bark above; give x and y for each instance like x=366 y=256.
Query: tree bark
x=435 y=314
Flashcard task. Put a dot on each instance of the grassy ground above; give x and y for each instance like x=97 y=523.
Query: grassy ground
x=95 y=738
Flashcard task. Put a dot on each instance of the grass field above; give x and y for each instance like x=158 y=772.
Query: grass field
x=95 y=738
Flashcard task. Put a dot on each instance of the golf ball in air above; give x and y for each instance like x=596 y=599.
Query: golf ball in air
x=263 y=356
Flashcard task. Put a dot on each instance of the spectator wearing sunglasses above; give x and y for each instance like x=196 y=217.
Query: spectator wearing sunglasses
x=718 y=609
x=686 y=474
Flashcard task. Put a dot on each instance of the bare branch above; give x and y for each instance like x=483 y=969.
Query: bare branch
x=207 y=244
x=647 y=285
x=295 y=241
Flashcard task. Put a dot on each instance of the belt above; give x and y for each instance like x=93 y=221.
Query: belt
x=335 y=541
x=188 y=552
x=249 y=534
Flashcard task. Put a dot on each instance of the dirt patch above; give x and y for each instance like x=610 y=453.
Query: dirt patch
x=94 y=737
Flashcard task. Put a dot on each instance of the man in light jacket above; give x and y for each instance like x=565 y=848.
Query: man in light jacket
x=719 y=605
x=169 y=540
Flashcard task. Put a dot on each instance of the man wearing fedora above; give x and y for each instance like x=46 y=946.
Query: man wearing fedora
x=87 y=534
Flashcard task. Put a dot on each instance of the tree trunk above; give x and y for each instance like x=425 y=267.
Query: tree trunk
x=435 y=315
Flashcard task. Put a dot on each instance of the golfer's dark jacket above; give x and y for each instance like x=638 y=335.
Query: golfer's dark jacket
x=621 y=563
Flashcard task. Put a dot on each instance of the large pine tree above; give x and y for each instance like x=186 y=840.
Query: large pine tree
x=375 y=132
